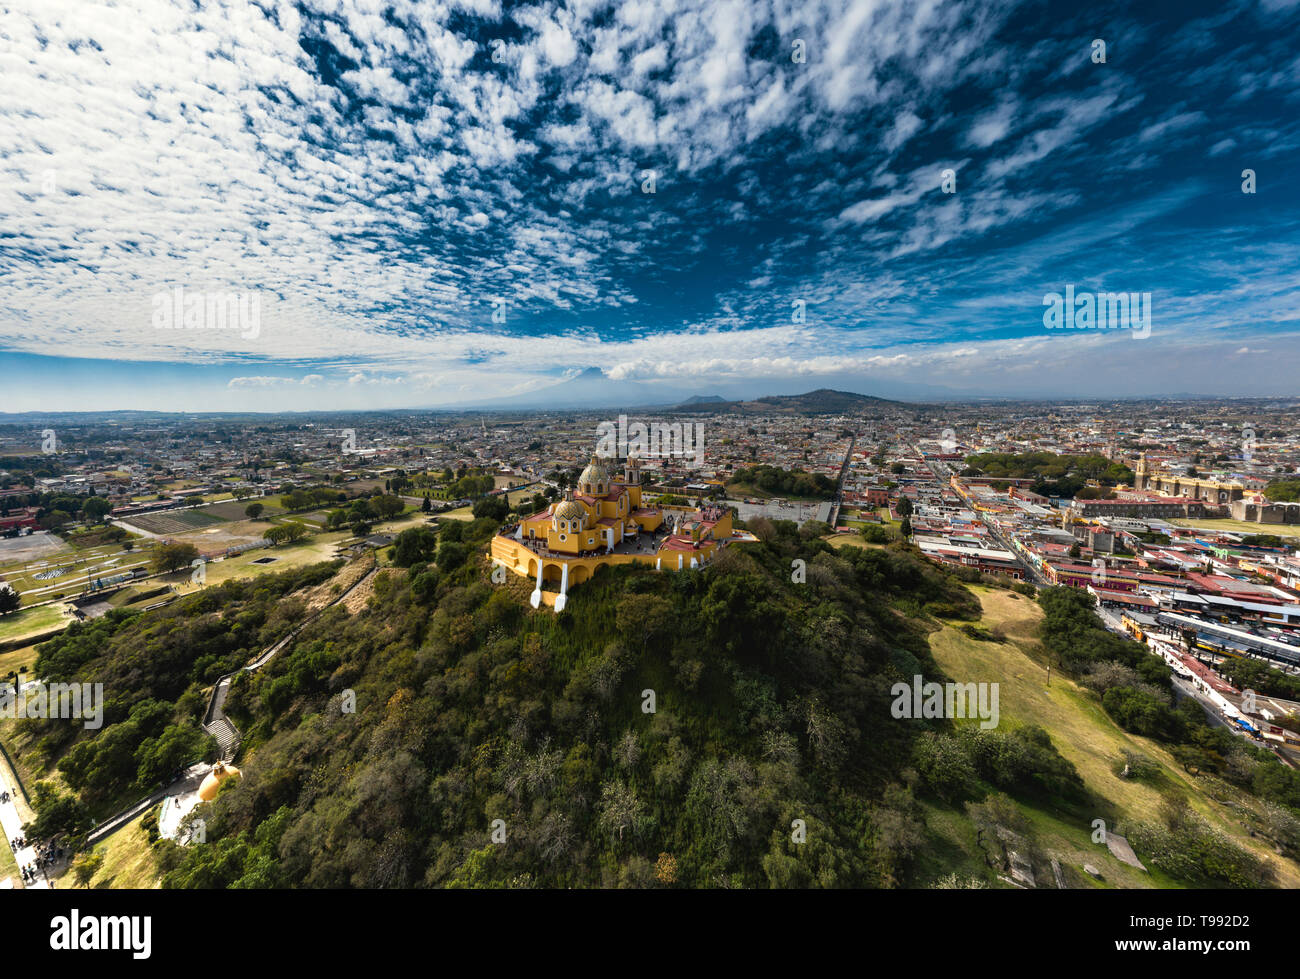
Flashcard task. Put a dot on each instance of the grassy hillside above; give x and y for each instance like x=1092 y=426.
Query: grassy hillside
x=1094 y=743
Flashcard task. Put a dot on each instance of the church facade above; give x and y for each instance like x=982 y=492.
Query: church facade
x=1216 y=491
x=606 y=522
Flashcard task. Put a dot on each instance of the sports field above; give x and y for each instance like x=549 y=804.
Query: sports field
x=234 y=509
x=171 y=523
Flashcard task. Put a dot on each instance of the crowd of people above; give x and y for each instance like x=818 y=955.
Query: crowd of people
x=47 y=854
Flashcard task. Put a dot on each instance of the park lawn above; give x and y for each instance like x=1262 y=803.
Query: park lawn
x=128 y=861
x=309 y=550
x=848 y=540
x=1081 y=731
x=19 y=660
x=398 y=523
x=32 y=622
x=308 y=518
x=1240 y=527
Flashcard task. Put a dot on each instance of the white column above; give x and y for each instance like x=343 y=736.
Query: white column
x=563 y=598
x=609 y=538
x=535 y=599
x=680 y=558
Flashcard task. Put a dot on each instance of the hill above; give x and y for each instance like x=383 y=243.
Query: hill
x=823 y=401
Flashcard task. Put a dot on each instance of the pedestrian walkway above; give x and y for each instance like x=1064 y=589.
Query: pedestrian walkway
x=12 y=823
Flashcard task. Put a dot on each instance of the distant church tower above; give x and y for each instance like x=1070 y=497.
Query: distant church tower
x=632 y=471
x=1140 y=474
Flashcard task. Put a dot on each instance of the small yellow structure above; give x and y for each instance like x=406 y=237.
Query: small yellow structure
x=220 y=772
x=606 y=522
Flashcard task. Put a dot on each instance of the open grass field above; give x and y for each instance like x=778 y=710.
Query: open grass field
x=514 y=496
x=32 y=622
x=18 y=660
x=1240 y=527
x=848 y=540
x=312 y=518
x=1086 y=736
x=128 y=861
x=283 y=557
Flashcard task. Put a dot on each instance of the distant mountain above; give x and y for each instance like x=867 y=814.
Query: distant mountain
x=823 y=401
x=705 y=399
x=826 y=401
x=594 y=389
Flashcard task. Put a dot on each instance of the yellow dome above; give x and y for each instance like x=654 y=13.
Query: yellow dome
x=220 y=772
x=571 y=510
x=595 y=477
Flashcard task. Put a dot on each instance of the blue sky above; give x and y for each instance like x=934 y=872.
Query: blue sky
x=384 y=177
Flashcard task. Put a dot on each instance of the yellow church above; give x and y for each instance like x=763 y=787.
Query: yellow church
x=605 y=522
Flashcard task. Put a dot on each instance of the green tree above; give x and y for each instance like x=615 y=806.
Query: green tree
x=85 y=866
x=414 y=545
x=96 y=508
x=172 y=556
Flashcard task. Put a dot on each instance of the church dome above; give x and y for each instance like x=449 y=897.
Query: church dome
x=220 y=772
x=571 y=510
x=594 y=480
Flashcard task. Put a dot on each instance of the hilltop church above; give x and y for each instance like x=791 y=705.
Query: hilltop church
x=605 y=522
